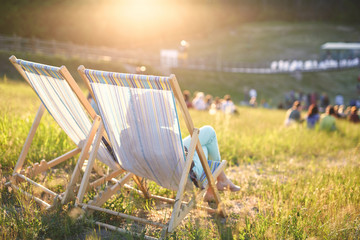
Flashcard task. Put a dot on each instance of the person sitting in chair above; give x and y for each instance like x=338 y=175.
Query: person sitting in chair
x=158 y=150
x=209 y=143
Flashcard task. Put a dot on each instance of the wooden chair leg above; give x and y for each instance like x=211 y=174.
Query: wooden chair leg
x=106 y=178
x=29 y=139
x=140 y=182
x=175 y=216
x=69 y=193
x=91 y=161
x=109 y=191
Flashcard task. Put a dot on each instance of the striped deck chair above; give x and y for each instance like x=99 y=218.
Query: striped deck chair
x=141 y=120
x=64 y=100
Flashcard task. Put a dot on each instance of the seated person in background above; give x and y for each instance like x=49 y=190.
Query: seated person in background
x=312 y=116
x=341 y=111
x=208 y=101
x=293 y=114
x=253 y=102
x=227 y=105
x=354 y=117
x=199 y=102
x=336 y=111
x=215 y=106
x=186 y=94
x=327 y=122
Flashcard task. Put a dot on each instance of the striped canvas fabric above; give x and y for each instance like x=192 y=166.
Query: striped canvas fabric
x=213 y=165
x=63 y=105
x=141 y=120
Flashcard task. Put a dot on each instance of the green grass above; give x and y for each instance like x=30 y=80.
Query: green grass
x=267 y=41
x=18 y=109
x=296 y=183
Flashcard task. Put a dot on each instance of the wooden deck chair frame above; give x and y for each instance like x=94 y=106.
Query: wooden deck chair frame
x=180 y=207
x=21 y=174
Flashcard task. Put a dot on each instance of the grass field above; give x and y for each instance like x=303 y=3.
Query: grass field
x=296 y=183
x=267 y=41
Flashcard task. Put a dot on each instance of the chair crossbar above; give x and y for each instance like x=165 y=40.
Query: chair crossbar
x=35 y=184
x=63 y=158
x=106 y=178
x=44 y=165
x=110 y=191
x=121 y=230
x=171 y=200
x=36 y=199
x=123 y=215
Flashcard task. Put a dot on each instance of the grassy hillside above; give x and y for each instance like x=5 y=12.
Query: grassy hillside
x=263 y=42
x=267 y=41
x=295 y=183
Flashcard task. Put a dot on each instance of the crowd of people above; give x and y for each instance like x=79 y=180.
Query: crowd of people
x=326 y=121
x=317 y=107
x=322 y=100
x=312 y=65
x=203 y=102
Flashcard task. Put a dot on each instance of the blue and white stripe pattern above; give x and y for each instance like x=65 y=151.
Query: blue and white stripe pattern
x=140 y=117
x=63 y=105
x=213 y=165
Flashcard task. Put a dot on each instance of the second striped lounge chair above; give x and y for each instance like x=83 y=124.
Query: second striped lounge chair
x=141 y=120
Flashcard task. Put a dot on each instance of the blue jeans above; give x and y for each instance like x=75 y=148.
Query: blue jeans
x=209 y=143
